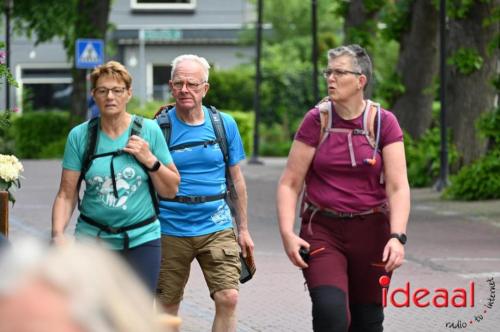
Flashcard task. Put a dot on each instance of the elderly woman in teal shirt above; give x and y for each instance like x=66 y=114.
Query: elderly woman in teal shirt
x=130 y=164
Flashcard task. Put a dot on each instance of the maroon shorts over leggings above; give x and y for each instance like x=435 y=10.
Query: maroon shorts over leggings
x=346 y=253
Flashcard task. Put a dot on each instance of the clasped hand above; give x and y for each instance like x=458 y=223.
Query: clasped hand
x=139 y=148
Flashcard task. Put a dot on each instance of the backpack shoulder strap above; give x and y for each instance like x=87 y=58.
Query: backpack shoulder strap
x=325 y=115
x=372 y=113
x=137 y=125
x=164 y=122
x=220 y=132
x=136 y=130
x=220 y=136
x=90 y=147
x=92 y=131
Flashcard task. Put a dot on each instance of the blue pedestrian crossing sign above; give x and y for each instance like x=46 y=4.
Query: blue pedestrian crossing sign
x=89 y=53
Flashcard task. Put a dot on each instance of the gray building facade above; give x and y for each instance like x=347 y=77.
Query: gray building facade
x=147 y=36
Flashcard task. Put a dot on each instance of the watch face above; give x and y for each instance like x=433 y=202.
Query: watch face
x=402 y=238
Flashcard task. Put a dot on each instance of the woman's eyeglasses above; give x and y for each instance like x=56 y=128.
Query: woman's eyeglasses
x=193 y=86
x=103 y=92
x=338 y=72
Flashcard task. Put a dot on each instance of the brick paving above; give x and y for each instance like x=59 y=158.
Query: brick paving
x=450 y=245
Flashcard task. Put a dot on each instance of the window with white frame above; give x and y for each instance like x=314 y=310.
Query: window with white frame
x=163 y=4
x=44 y=87
x=161 y=76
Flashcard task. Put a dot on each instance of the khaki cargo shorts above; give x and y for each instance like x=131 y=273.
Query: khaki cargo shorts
x=217 y=254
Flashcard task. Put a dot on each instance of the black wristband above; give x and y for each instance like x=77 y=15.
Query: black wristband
x=155 y=167
x=402 y=238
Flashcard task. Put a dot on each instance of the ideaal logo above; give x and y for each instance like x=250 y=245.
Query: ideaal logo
x=423 y=297
x=439 y=298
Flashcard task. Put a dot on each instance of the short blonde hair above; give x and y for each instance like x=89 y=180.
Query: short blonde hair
x=113 y=69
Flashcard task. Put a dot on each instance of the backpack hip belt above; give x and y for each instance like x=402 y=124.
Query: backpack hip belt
x=329 y=213
x=195 y=199
x=117 y=230
x=384 y=208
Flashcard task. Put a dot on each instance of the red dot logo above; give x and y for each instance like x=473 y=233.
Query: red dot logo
x=384 y=281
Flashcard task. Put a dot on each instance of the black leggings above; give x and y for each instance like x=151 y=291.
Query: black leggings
x=145 y=260
x=330 y=312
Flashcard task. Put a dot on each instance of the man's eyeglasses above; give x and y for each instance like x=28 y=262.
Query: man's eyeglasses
x=193 y=86
x=338 y=72
x=103 y=92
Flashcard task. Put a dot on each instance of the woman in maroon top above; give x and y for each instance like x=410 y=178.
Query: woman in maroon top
x=356 y=199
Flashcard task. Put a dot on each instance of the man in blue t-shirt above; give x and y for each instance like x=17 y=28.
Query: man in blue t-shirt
x=197 y=223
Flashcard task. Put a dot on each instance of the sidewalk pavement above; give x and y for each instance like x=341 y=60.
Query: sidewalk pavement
x=450 y=246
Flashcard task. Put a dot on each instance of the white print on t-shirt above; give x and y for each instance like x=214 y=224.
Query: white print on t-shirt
x=220 y=216
x=126 y=184
x=181 y=150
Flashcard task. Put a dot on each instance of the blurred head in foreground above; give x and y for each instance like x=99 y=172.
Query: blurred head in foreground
x=74 y=288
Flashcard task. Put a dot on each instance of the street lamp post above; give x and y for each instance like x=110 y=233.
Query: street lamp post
x=256 y=100
x=443 y=171
x=8 y=8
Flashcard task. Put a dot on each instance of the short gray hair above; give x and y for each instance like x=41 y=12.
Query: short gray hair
x=191 y=57
x=360 y=59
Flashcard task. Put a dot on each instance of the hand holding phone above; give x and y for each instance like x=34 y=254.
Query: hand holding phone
x=304 y=254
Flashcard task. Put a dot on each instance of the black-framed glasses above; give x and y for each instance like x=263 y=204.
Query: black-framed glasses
x=191 y=85
x=103 y=92
x=338 y=72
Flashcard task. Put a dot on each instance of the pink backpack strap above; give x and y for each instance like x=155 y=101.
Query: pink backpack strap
x=325 y=115
x=369 y=122
x=349 y=141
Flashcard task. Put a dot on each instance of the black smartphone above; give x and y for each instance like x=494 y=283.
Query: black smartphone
x=304 y=253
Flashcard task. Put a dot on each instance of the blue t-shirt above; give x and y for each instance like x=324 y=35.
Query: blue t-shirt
x=134 y=202
x=202 y=171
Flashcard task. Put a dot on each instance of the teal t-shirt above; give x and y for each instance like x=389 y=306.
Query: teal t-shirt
x=134 y=202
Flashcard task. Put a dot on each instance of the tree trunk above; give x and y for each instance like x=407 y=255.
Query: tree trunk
x=356 y=17
x=468 y=96
x=91 y=22
x=359 y=28
x=417 y=67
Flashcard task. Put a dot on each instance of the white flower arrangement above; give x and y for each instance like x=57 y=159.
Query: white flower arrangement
x=10 y=173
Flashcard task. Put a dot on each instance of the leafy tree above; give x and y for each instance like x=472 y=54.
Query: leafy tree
x=360 y=21
x=6 y=143
x=67 y=20
x=414 y=24
x=286 y=58
x=473 y=55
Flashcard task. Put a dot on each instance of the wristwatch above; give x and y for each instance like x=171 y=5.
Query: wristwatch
x=400 y=236
x=155 y=167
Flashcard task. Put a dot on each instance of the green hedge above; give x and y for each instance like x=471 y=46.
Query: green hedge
x=480 y=180
x=245 y=121
x=39 y=134
x=7 y=143
x=147 y=111
x=423 y=157
x=274 y=140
